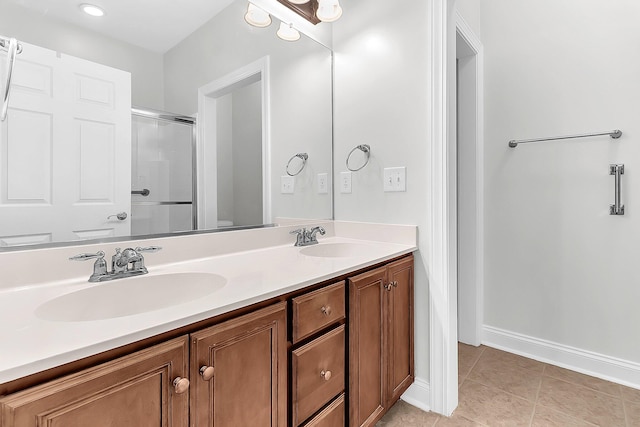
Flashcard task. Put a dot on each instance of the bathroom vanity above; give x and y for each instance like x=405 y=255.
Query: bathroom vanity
x=331 y=347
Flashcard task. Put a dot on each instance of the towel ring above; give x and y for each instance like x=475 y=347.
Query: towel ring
x=303 y=157
x=366 y=149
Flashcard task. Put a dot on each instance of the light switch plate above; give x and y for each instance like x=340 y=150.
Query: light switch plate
x=287 y=184
x=345 y=182
x=395 y=179
x=323 y=183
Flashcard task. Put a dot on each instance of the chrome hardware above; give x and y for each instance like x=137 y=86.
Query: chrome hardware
x=180 y=385
x=388 y=286
x=326 y=375
x=617 y=208
x=299 y=236
x=614 y=134
x=306 y=237
x=144 y=192
x=206 y=372
x=13 y=48
x=125 y=263
x=394 y=284
x=99 y=267
x=121 y=216
x=366 y=149
x=302 y=156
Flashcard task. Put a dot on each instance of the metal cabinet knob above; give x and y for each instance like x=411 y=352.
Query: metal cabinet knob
x=326 y=375
x=326 y=310
x=206 y=372
x=180 y=385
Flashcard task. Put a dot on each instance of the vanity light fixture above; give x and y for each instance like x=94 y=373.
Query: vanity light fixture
x=299 y=1
x=329 y=10
x=257 y=17
x=91 y=9
x=288 y=33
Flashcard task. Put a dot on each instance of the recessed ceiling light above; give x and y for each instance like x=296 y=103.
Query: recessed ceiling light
x=91 y=9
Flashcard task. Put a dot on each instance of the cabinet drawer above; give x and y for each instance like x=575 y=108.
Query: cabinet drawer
x=317 y=373
x=318 y=309
x=331 y=416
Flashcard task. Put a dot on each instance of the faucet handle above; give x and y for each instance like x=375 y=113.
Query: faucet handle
x=85 y=257
x=150 y=249
x=298 y=231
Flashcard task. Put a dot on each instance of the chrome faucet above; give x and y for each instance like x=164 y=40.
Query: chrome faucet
x=127 y=263
x=306 y=237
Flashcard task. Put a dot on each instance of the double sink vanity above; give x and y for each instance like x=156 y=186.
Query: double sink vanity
x=226 y=329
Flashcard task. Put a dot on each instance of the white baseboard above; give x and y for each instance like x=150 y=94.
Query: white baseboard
x=418 y=394
x=583 y=361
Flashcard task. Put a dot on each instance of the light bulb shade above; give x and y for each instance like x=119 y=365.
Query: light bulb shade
x=288 y=33
x=257 y=17
x=299 y=1
x=329 y=10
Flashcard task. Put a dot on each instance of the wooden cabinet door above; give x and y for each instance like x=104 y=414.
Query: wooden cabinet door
x=399 y=318
x=367 y=303
x=248 y=383
x=136 y=390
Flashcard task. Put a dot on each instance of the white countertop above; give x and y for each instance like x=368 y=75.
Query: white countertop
x=31 y=344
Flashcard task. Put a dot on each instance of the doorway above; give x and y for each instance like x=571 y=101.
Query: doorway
x=470 y=184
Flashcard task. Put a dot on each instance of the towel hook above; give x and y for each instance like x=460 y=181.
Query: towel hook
x=366 y=149
x=303 y=157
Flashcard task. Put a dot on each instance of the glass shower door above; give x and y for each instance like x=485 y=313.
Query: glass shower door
x=162 y=181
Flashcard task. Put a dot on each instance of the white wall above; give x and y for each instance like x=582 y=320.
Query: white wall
x=381 y=87
x=558 y=266
x=300 y=90
x=247 y=155
x=470 y=11
x=145 y=66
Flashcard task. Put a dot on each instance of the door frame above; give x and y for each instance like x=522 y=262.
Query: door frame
x=442 y=274
x=257 y=71
x=470 y=145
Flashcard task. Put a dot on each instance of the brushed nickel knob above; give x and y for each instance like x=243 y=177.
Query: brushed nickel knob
x=388 y=286
x=206 y=372
x=326 y=375
x=180 y=385
x=395 y=284
x=326 y=310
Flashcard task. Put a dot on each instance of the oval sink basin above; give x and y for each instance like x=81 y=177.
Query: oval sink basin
x=336 y=250
x=134 y=295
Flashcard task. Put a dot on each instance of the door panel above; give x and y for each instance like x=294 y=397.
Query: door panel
x=249 y=360
x=65 y=150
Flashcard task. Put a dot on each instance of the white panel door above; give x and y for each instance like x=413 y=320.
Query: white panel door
x=65 y=150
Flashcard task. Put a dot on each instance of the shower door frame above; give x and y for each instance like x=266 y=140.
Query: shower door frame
x=186 y=121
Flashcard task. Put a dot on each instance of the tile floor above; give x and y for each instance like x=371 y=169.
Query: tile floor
x=502 y=389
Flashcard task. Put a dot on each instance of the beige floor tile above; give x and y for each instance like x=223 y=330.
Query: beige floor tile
x=545 y=417
x=460 y=380
x=583 y=380
x=404 y=415
x=456 y=421
x=467 y=357
x=492 y=407
x=509 y=377
x=632 y=411
x=512 y=360
x=630 y=394
x=581 y=402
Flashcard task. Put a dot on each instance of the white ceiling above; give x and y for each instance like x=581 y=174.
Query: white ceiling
x=156 y=25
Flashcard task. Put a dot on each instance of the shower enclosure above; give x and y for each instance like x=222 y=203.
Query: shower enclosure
x=163 y=178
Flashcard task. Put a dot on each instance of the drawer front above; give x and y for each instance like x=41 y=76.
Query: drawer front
x=317 y=373
x=317 y=310
x=332 y=416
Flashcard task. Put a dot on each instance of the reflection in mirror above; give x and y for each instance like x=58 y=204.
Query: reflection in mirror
x=77 y=163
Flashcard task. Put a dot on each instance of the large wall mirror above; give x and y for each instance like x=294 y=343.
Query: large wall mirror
x=158 y=118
